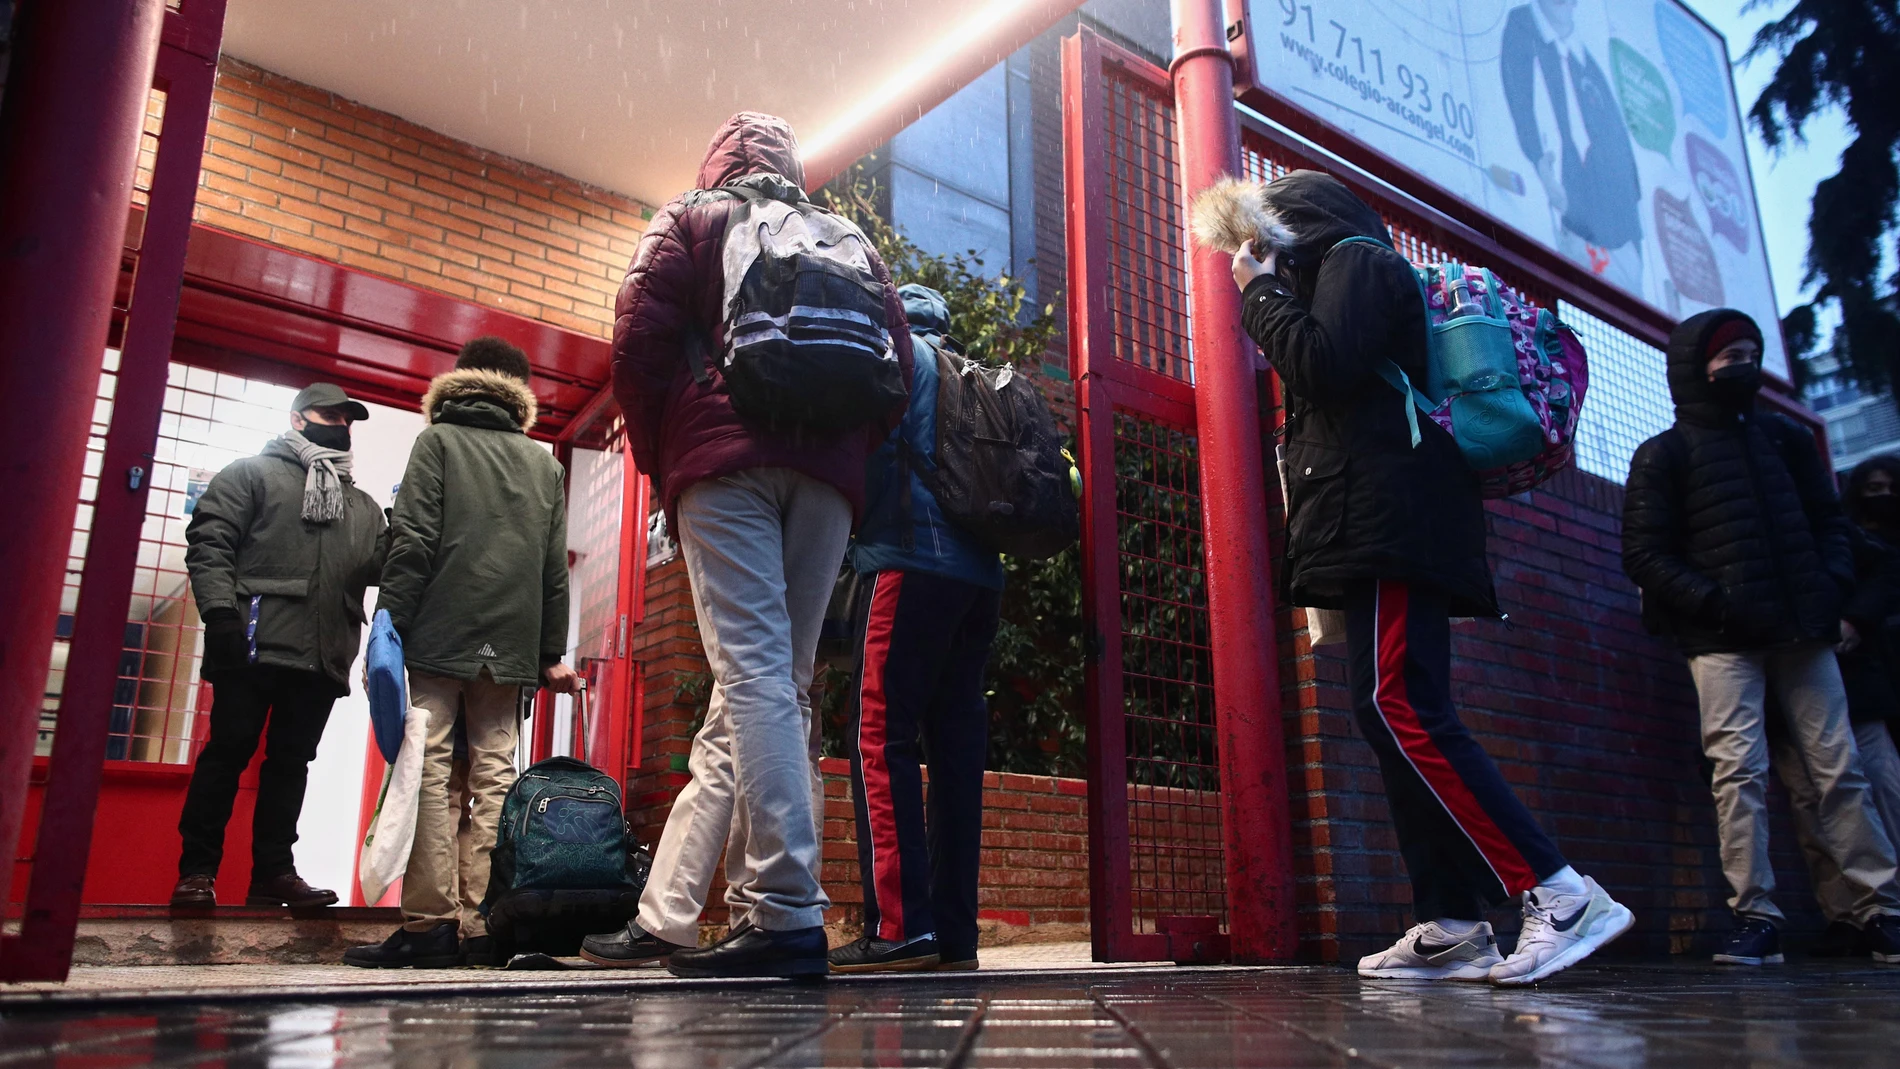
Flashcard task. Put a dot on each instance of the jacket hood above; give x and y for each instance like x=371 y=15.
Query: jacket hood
x=751 y=142
x=926 y=309
x=509 y=394
x=1321 y=212
x=1688 y=365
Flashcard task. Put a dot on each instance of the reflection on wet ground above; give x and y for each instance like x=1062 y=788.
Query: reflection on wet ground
x=1616 y=1017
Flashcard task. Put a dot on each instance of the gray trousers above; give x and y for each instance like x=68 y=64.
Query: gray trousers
x=1881 y=764
x=700 y=827
x=1732 y=690
x=762 y=549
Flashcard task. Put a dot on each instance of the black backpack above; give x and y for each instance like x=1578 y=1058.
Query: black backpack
x=1001 y=472
x=564 y=866
x=805 y=315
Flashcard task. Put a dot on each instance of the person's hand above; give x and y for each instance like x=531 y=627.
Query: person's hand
x=227 y=648
x=1850 y=638
x=1247 y=268
x=1553 y=186
x=561 y=679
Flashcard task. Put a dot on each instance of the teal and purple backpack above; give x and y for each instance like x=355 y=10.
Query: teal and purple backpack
x=1506 y=379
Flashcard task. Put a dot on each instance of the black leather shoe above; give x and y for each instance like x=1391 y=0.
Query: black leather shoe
x=195 y=892
x=437 y=948
x=886 y=955
x=797 y=954
x=628 y=947
x=288 y=890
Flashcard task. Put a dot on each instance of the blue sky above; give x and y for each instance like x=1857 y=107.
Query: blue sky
x=1784 y=181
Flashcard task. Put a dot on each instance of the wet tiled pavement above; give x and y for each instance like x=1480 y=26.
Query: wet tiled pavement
x=1616 y=1017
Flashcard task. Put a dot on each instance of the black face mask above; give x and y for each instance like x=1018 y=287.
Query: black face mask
x=327 y=436
x=1883 y=509
x=1735 y=386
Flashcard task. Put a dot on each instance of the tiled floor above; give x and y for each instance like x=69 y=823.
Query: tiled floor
x=1618 y=1017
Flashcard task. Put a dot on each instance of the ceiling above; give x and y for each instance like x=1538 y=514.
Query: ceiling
x=623 y=94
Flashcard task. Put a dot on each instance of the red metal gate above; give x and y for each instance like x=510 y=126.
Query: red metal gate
x=1157 y=869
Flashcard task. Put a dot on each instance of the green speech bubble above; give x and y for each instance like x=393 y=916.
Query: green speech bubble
x=1647 y=107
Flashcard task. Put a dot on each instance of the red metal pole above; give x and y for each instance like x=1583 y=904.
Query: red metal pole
x=69 y=136
x=1233 y=514
x=51 y=919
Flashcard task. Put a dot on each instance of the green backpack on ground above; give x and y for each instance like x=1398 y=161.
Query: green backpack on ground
x=564 y=865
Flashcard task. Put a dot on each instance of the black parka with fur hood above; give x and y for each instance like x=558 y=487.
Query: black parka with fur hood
x=1730 y=522
x=477 y=573
x=1363 y=502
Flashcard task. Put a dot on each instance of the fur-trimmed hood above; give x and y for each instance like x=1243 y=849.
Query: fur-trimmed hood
x=1234 y=211
x=510 y=394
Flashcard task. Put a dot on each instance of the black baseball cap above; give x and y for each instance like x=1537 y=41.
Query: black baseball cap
x=328 y=395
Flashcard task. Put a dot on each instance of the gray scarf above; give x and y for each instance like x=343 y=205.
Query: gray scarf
x=325 y=472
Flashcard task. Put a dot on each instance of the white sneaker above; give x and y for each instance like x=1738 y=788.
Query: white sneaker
x=1429 y=952
x=1561 y=930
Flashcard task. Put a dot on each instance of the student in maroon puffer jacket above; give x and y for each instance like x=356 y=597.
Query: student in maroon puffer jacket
x=763 y=517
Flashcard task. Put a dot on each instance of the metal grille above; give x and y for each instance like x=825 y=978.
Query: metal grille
x=1147 y=259
x=594 y=512
x=1629 y=395
x=1167 y=677
x=209 y=420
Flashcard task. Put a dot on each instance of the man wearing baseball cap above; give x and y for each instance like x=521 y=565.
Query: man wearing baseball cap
x=280 y=549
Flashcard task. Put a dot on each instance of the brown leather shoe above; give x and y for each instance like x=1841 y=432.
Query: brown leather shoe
x=288 y=890
x=195 y=892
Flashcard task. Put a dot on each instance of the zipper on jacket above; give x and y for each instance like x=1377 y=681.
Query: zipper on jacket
x=1767 y=520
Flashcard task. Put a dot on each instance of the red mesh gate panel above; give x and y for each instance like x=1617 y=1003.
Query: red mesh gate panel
x=1156 y=850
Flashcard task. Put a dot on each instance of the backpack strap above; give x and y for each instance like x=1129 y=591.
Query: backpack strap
x=1392 y=373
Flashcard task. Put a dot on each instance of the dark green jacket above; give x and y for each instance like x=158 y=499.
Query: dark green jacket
x=477 y=572
x=249 y=543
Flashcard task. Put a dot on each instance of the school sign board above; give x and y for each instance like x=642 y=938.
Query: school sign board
x=1606 y=130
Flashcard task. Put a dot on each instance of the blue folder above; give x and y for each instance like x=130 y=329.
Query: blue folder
x=388 y=689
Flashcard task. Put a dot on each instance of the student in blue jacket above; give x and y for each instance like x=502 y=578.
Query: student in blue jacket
x=930 y=610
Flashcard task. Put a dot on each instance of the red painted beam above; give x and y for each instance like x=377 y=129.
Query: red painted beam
x=1257 y=828
x=268 y=312
x=69 y=135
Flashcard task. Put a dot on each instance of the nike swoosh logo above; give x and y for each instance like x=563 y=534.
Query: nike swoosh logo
x=1425 y=950
x=1571 y=921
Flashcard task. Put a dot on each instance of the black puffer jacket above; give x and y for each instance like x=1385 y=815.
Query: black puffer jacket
x=1730 y=523
x=1363 y=503
x=1868 y=670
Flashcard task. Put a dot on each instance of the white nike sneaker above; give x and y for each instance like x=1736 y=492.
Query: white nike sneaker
x=1429 y=952
x=1561 y=930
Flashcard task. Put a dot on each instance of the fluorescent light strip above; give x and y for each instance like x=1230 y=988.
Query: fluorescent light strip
x=878 y=101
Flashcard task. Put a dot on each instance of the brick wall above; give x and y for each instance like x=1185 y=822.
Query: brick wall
x=304 y=168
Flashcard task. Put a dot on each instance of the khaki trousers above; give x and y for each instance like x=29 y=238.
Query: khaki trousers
x=701 y=826
x=457 y=813
x=1881 y=765
x=1732 y=689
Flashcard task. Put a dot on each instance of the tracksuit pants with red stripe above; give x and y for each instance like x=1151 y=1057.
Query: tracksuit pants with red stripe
x=925 y=642
x=1468 y=842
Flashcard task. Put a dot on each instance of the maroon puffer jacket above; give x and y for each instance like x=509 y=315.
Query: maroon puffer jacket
x=681 y=430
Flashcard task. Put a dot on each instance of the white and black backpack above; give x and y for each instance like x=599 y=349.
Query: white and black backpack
x=805 y=315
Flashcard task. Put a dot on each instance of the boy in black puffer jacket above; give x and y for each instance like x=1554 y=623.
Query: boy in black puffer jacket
x=1732 y=530
x=1394 y=534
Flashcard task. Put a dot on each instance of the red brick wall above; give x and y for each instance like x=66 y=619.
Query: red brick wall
x=303 y=168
